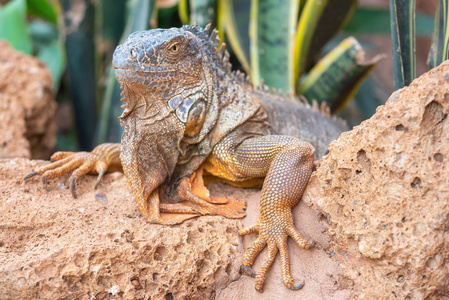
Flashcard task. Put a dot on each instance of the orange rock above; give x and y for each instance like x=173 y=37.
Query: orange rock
x=384 y=192
x=27 y=106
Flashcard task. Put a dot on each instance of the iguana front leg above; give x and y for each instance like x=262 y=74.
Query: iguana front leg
x=105 y=157
x=287 y=164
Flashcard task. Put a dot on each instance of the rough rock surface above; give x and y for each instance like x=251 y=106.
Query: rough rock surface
x=98 y=246
x=383 y=192
x=27 y=106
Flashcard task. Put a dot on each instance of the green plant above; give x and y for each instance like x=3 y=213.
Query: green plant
x=279 y=43
x=37 y=35
x=403 y=39
x=439 y=50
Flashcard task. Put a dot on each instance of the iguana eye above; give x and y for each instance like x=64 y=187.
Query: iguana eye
x=174 y=48
x=133 y=53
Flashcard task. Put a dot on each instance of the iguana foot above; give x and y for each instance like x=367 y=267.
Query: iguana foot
x=273 y=235
x=194 y=193
x=102 y=158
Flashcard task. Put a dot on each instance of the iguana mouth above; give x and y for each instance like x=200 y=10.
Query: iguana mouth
x=135 y=75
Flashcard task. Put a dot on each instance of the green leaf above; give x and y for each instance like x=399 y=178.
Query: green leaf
x=440 y=39
x=237 y=32
x=53 y=56
x=80 y=50
x=42 y=33
x=377 y=21
x=113 y=20
x=43 y=9
x=337 y=76
x=370 y=96
x=403 y=41
x=183 y=11
x=202 y=12
x=310 y=16
x=139 y=16
x=139 y=13
x=13 y=27
x=272 y=26
x=319 y=21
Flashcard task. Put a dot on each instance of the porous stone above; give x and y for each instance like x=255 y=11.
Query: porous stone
x=27 y=106
x=98 y=246
x=383 y=193
x=53 y=246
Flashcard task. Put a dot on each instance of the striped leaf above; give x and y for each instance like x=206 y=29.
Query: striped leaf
x=336 y=77
x=80 y=53
x=320 y=20
x=402 y=14
x=139 y=13
x=202 y=12
x=272 y=27
x=13 y=27
x=237 y=33
x=440 y=40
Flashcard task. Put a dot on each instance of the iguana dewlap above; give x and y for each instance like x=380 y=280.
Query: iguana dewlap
x=185 y=112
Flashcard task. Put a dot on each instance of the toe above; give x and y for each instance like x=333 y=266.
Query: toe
x=249 y=229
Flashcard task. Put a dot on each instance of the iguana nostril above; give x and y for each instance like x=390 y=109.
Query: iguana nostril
x=133 y=53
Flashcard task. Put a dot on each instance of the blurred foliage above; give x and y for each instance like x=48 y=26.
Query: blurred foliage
x=439 y=50
x=403 y=36
x=291 y=45
x=13 y=27
x=139 y=12
x=338 y=74
x=38 y=36
x=402 y=22
x=81 y=67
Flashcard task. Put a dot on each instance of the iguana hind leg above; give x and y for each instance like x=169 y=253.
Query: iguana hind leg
x=192 y=191
x=287 y=164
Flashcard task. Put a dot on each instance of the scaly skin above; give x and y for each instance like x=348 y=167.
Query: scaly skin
x=185 y=111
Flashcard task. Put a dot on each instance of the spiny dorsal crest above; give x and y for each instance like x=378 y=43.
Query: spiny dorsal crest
x=212 y=44
x=217 y=50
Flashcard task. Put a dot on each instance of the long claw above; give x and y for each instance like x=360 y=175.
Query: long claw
x=72 y=186
x=249 y=271
x=311 y=244
x=45 y=182
x=32 y=174
x=100 y=175
x=297 y=286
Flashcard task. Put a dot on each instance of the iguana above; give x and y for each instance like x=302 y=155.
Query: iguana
x=185 y=111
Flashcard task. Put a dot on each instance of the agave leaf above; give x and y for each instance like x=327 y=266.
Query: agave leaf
x=13 y=27
x=139 y=13
x=80 y=51
x=48 y=47
x=202 y=12
x=43 y=9
x=337 y=76
x=237 y=33
x=113 y=21
x=370 y=96
x=440 y=40
x=377 y=21
x=183 y=11
x=53 y=55
x=319 y=21
x=403 y=39
x=272 y=26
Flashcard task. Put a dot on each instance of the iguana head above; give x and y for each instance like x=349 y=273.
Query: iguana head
x=174 y=69
x=170 y=82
